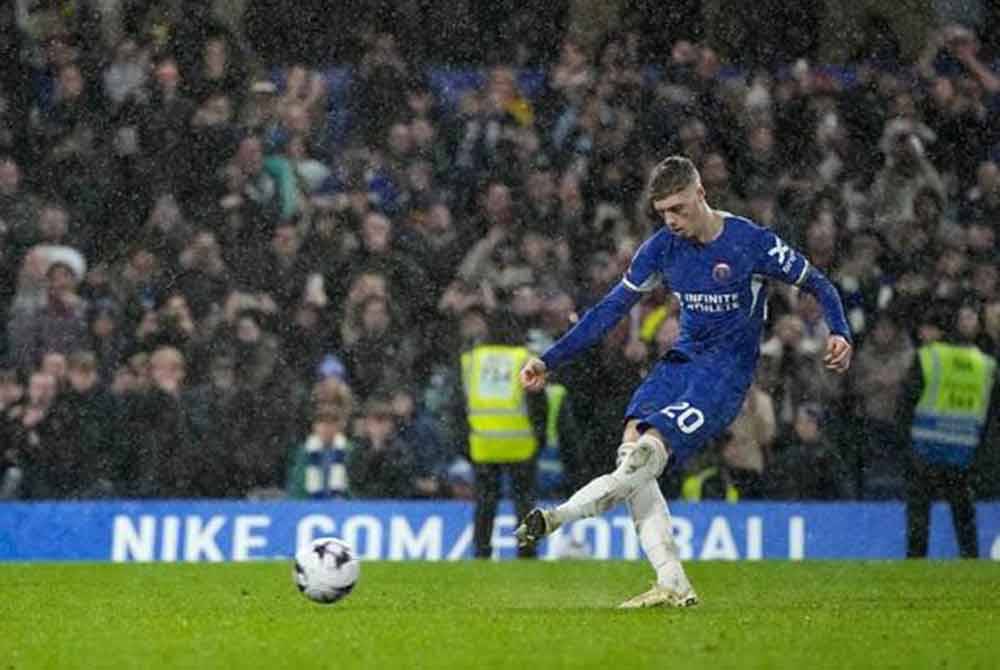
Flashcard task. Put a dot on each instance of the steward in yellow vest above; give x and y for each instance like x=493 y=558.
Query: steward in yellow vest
x=500 y=429
x=507 y=426
x=951 y=391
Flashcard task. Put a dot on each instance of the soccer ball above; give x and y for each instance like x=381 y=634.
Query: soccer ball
x=326 y=570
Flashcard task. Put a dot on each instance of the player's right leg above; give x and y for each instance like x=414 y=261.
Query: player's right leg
x=640 y=459
x=639 y=462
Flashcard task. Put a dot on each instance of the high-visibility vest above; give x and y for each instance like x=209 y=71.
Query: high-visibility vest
x=550 y=465
x=691 y=489
x=499 y=424
x=951 y=415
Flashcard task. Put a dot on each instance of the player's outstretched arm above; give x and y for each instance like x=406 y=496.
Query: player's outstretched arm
x=839 y=352
x=594 y=324
x=533 y=374
x=784 y=263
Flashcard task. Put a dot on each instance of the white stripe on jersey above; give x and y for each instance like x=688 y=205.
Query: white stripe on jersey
x=756 y=284
x=805 y=271
x=652 y=281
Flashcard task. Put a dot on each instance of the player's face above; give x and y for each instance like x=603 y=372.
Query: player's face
x=682 y=211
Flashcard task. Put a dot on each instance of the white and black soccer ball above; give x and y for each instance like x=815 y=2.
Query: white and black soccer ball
x=326 y=570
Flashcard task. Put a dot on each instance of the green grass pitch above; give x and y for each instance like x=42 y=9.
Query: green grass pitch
x=522 y=615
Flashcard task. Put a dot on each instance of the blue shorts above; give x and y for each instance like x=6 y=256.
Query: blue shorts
x=690 y=402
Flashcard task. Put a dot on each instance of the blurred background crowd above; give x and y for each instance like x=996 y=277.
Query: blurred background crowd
x=241 y=252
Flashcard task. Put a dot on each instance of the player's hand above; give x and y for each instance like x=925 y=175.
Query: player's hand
x=533 y=375
x=838 y=353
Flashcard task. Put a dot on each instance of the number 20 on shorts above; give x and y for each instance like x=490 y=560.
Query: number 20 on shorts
x=689 y=419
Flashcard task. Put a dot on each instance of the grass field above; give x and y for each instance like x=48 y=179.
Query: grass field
x=521 y=615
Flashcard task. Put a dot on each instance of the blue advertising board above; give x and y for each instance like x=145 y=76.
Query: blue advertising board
x=186 y=530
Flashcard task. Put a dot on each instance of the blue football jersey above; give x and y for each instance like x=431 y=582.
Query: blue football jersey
x=721 y=286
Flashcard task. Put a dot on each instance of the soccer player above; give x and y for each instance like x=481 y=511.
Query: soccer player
x=716 y=264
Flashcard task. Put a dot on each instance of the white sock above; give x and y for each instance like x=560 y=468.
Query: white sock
x=653 y=526
x=638 y=464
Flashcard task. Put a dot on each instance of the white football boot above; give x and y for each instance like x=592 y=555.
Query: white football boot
x=662 y=596
x=676 y=592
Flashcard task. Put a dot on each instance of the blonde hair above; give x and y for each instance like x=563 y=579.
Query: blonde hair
x=167 y=356
x=333 y=394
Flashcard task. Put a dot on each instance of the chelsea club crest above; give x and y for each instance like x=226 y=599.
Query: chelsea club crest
x=721 y=272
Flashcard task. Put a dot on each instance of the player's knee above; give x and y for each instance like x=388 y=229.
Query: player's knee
x=647 y=456
x=659 y=452
x=624 y=450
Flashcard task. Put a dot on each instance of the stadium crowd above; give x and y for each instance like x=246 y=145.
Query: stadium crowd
x=226 y=276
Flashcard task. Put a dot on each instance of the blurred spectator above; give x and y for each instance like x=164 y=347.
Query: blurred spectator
x=137 y=283
x=906 y=170
x=715 y=177
x=791 y=368
x=220 y=70
x=307 y=340
x=498 y=248
x=876 y=379
x=68 y=138
x=160 y=456
x=991 y=326
x=203 y=277
x=981 y=202
x=55 y=363
x=213 y=408
x=864 y=287
x=378 y=97
x=747 y=452
x=821 y=239
x=11 y=389
x=434 y=245
x=384 y=350
x=708 y=476
x=81 y=415
x=806 y=465
x=381 y=465
x=107 y=339
x=418 y=427
x=282 y=272
x=169 y=326
x=32 y=444
x=209 y=139
x=270 y=401
x=319 y=464
x=381 y=253
x=60 y=325
x=163 y=125
x=18 y=211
